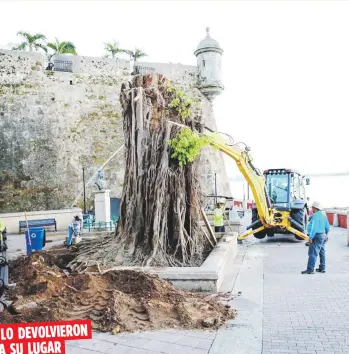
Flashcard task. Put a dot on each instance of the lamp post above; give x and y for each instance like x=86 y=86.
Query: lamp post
x=83 y=181
x=215 y=187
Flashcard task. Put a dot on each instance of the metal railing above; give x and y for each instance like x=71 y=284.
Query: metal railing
x=100 y=226
x=143 y=70
x=63 y=65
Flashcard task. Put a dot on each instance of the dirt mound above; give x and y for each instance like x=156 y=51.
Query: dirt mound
x=141 y=285
x=37 y=274
x=116 y=301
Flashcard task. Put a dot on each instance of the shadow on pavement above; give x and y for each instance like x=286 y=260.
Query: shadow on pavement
x=281 y=239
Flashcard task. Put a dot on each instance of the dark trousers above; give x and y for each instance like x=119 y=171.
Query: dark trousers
x=219 y=229
x=317 y=248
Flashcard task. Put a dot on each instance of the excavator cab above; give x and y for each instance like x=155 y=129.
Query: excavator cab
x=287 y=192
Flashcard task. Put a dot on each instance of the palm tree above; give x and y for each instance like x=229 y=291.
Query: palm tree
x=31 y=42
x=135 y=54
x=61 y=48
x=113 y=49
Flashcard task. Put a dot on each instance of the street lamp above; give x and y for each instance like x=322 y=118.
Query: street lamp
x=215 y=187
x=83 y=181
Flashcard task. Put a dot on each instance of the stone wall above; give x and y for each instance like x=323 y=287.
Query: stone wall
x=54 y=123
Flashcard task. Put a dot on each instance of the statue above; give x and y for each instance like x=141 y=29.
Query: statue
x=100 y=181
x=50 y=66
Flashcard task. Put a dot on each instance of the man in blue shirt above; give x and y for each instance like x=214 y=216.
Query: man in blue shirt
x=318 y=230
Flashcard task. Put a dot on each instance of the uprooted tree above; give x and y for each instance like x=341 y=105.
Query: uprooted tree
x=162 y=199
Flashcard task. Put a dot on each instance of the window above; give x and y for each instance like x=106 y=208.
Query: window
x=296 y=186
x=203 y=63
x=302 y=189
x=278 y=188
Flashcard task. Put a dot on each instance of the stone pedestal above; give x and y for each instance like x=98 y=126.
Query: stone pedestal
x=233 y=215
x=102 y=206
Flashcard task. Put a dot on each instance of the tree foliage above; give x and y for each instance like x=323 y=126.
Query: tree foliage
x=34 y=42
x=113 y=49
x=186 y=146
x=180 y=104
x=31 y=42
x=61 y=48
x=135 y=54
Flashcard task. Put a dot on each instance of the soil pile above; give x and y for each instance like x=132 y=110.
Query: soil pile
x=116 y=301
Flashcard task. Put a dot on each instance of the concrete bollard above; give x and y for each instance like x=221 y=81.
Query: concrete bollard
x=335 y=220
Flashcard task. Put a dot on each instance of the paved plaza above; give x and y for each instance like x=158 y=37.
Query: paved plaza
x=278 y=309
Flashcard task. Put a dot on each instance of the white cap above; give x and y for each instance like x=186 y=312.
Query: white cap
x=317 y=205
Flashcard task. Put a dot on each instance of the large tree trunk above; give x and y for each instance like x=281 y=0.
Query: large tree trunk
x=161 y=203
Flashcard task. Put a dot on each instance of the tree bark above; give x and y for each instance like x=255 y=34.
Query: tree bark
x=160 y=207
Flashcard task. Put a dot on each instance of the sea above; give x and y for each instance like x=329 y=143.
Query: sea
x=331 y=192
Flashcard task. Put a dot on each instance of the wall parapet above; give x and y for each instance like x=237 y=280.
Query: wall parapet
x=63 y=218
x=337 y=217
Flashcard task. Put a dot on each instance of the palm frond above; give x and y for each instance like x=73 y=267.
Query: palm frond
x=139 y=54
x=32 y=41
x=26 y=35
x=62 y=47
x=38 y=36
x=52 y=46
x=21 y=46
x=112 y=48
x=134 y=54
x=67 y=48
x=126 y=51
x=41 y=46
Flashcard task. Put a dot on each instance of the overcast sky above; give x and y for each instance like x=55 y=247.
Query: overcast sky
x=285 y=64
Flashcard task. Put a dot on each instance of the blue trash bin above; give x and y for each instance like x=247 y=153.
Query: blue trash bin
x=70 y=236
x=37 y=237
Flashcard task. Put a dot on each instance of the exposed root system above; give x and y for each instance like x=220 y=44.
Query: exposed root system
x=117 y=301
x=161 y=203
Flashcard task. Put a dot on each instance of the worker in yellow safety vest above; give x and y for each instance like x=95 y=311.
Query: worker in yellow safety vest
x=218 y=219
x=2 y=226
x=3 y=236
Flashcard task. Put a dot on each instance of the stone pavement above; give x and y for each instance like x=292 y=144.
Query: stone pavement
x=306 y=313
x=279 y=310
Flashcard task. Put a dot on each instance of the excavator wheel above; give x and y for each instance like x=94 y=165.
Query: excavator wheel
x=270 y=233
x=255 y=217
x=301 y=216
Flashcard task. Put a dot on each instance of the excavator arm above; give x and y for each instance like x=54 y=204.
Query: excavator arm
x=269 y=217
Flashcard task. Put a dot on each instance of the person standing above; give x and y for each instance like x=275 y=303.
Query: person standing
x=77 y=226
x=218 y=219
x=318 y=230
x=3 y=238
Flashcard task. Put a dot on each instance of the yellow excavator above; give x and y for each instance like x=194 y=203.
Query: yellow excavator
x=279 y=194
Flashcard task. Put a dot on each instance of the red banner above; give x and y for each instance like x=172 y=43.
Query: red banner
x=42 y=337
